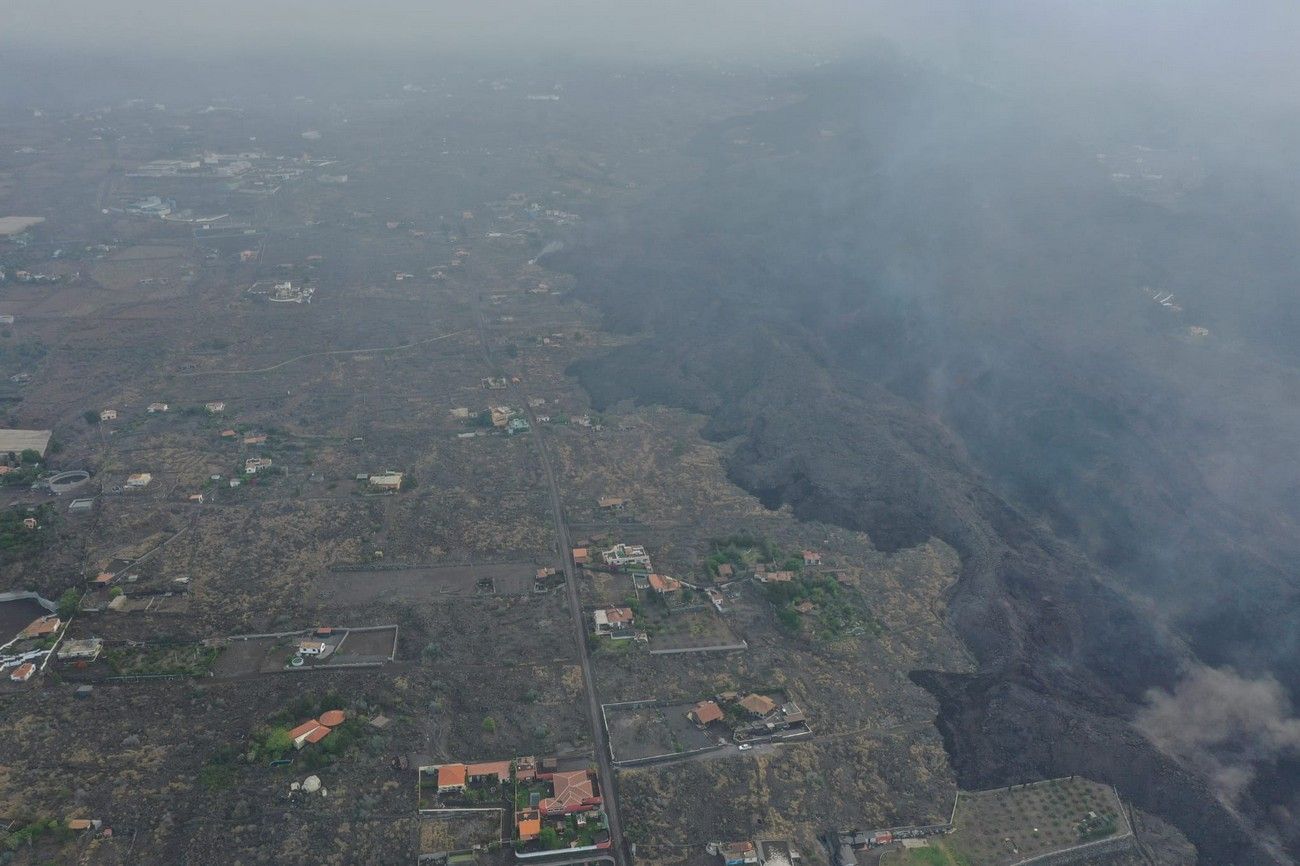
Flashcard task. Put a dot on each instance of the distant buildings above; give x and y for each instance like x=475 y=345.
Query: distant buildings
x=108 y=415
x=138 y=481
x=215 y=406
x=155 y=408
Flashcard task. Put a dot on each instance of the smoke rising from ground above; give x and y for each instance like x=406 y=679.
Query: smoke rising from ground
x=1223 y=723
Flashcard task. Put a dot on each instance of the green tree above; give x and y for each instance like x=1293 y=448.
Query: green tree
x=91 y=416
x=489 y=725
x=69 y=603
x=30 y=455
x=548 y=838
x=277 y=742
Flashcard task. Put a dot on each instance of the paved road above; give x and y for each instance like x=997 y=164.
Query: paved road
x=604 y=767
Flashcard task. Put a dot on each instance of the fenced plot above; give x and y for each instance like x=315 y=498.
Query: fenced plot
x=344 y=587
x=640 y=732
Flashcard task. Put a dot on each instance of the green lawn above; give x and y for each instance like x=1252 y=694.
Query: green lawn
x=937 y=853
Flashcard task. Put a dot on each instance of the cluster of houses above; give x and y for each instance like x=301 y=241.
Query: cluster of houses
x=567 y=802
x=750 y=853
x=750 y=717
x=28 y=649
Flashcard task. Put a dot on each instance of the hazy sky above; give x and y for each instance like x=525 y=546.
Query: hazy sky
x=1220 y=47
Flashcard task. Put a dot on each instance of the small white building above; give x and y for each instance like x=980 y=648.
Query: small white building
x=155 y=408
x=390 y=481
x=108 y=415
x=253 y=465
x=139 y=480
x=215 y=406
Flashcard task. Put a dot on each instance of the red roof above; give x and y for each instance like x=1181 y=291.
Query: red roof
x=664 y=583
x=23 y=672
x=305 y=728
x=500 y=769
x=618 y=614
x=707 y=711
x=319 y=734
x=572 y=790
x=451 y=776
x=332 y=718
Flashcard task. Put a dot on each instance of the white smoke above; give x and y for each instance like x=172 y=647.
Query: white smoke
x=1222 y=723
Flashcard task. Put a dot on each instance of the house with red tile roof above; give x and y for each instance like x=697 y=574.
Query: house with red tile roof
x=759 y=705
x=663 y=584
x=610 y=620
x=488 y=771
x=812 y=557
x=452 y=777
x=573 y=791
x=705 y=712
x=46 y=625
x=23 y=672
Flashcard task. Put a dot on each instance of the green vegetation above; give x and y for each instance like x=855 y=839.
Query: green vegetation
x=489 y=725
x=69 y=604
x=184 y=659
x=17 y=539
x=937 y=853
x=30 y=831
x=839 y=613
x=90 y=416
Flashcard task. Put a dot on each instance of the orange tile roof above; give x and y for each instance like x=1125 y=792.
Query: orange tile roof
x=618 y=614
x=664 y=583
x=43 y=626
x=23 y=672
x=305 y=728
x=320 y=733
x=581 y=554
x=529 y=825
x=451 y=776
x=571 y=789
x=759 y=705
x=500 y=769
x=707 y=711
x=332 y=718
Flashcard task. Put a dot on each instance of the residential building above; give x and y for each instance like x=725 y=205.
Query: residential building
x=388 y=481
x=739 y=854
x=776 y=577
x=23 y=672
x=616 y=503
x=812 y=557
x=254 y=439
x=253 y=465
x=573 y=791
x=805 y=607
x=312 y=647
x=581 y=556
x=138 y=480
x=155 y=408
x=108 y=415
x=759 y=705
x=705 y=713
x=500 y=415
x=621 y=555
x=80 y=650
x=215 y=406
x=610 y=620
x=310 y=731
x=528 y=824
x=452 y=777
x=42 y=627
x=663 y=584
x=726 y=571
x=517 y=426
x=493 y=772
